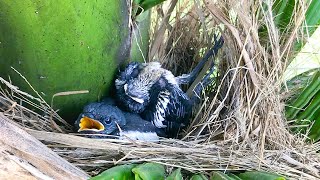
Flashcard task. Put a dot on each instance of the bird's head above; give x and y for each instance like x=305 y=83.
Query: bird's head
x=99 y=118
x=127 y=80
x=131 y=71
x=134 y=83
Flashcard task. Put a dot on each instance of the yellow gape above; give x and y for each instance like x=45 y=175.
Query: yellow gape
x=87 y=123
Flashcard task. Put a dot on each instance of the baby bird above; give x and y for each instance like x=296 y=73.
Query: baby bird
x=155 y=93
x=105 y=118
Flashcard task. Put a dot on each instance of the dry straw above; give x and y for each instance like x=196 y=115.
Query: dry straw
x=239 y=125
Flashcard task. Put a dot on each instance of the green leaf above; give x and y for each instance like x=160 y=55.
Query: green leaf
x=122 y=172
x=258 y=175
x=149 y=171
x=314 y=133
x=233 y=176
x=143 y=16
x=217 y=175
x=283 y=12
x=175 y=175
x=147 y=4
x=304 y=98
x=198 y=177
x=312 y=21
x=307 y=116
x=144 y=5
x=312 y=107
x=313 y=16
x=140 y=37
x=300 y=81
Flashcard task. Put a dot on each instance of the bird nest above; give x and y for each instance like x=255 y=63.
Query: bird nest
x=238 y=126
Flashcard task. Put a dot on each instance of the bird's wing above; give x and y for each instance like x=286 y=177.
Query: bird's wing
x=179 y=107
x=172 y=111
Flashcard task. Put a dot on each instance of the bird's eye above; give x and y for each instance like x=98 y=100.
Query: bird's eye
x=134 y=73
x=108 y=120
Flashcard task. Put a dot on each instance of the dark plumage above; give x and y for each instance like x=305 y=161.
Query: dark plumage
x=155 y=93
x=105 y=118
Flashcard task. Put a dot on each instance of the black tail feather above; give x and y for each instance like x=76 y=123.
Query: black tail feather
x=207 y=80
x=189 y=78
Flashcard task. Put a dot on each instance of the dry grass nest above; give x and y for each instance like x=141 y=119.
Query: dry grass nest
x=240 y=123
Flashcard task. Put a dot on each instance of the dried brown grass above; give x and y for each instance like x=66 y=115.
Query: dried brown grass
x=239 y=126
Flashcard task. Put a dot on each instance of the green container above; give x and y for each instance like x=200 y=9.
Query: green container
x=64 y=45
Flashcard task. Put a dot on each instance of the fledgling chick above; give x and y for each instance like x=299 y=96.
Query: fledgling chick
x=105 y=118
x=137 y=129
x=155 y=93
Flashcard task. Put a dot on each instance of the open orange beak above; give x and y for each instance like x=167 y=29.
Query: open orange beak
x=88 y=124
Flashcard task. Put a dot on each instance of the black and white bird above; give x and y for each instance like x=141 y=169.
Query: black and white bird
x=99 y=119
x=155 y=93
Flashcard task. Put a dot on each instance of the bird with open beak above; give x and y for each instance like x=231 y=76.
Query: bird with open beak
x=105 y=119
